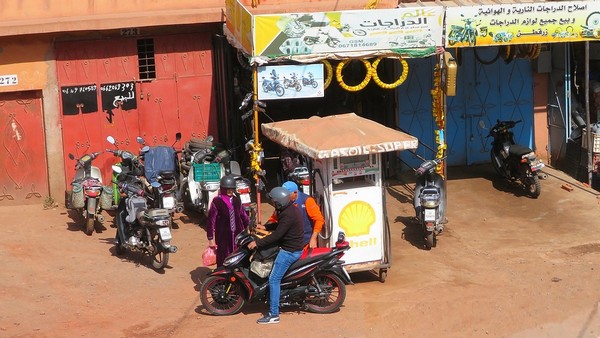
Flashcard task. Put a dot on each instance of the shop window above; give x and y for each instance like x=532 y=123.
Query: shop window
x=146 y=63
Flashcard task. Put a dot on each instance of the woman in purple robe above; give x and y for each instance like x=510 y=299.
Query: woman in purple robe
x=226 y=219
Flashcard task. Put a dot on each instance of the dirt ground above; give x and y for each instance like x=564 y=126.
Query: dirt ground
x=507 y=266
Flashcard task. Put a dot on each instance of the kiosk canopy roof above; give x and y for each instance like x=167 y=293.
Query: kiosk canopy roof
x=337 y=136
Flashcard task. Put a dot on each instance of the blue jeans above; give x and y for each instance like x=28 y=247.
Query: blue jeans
x=282 y=263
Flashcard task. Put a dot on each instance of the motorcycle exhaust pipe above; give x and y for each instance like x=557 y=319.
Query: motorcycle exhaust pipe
x=173 y=249
x=179 y=209
x=100 y=218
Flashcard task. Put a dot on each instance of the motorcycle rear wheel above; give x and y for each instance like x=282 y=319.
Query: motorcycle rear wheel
x=335 y=291
x=160 y=258
x=220 y=297
x=89 y=224
x=430 y=240
x=534 y=186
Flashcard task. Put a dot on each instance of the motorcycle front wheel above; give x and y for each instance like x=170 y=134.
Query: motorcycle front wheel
x=119 y=247
x=332 y=296
x=220 y=297
x=279 y=90
x=160 y=258
x=497 y=163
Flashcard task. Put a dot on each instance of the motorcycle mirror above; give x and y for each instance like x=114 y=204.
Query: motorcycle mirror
x=117 y=169
x=210 y=138
x=140 y=140
x=71 y=156
x=155 y=184
x=177 y=137
x=110 y=139
x=145 y=149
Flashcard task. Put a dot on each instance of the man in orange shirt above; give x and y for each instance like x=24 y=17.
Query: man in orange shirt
x=312 y=217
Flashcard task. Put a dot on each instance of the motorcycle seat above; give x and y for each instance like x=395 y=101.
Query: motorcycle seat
x=168 y=174
x=310 y=255
x=519 y=150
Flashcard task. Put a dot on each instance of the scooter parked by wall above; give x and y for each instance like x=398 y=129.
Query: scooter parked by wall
x=430 y=201
x=316 y=282
x=140 y=228
x=515 y=162
x=88 y=195
x=129 y=163
x=161 y=169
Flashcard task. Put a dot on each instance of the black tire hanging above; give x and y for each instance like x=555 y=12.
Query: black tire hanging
x=486 y=62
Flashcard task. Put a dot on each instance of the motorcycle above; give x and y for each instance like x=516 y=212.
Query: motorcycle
x=316 y=282
x=129 y=163
x=161 y=169
x=309 y=81
x=273 y=85
x=515 y=162
x=140 y=228
x=292 y=83
x=430 y=201
x=87 y=194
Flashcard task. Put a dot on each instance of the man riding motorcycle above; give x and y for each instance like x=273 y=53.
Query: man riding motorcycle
x=288 y=232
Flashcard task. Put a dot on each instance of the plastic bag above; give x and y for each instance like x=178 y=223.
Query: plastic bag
x=209 y=257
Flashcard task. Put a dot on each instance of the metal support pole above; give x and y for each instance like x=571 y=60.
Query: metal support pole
x=588 y=133
x=256 y=140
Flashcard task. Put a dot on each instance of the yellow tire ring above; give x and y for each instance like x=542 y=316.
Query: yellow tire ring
x=329 y=71
x=363 y=84
x=398 y=82
x=536 y=52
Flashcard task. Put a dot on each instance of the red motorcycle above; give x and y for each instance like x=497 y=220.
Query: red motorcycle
x=316 y=282
x=87 y=195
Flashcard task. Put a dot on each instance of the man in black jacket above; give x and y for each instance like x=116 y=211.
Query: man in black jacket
x=289 y=232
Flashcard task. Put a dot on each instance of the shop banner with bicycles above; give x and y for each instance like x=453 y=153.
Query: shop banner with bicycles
x=347 y=31
x=526 y=23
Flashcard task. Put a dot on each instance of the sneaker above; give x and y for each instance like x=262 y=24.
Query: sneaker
x=268 y=319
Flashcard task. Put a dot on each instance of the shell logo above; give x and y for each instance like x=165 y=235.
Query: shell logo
x=356 y=218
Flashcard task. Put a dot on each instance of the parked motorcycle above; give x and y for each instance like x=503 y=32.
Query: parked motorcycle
x=292 y=82
x=140 y=228
x=129 y=163
x=309 y=81
x=430 y=201
x=515 y=162
x=316 y=282
x=161 y=169
x=87 y=194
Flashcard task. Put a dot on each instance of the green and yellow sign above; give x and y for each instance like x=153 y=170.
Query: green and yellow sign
x=527 y=23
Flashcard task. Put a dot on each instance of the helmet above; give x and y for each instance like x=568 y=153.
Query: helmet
x=280 y=197
x=227 y=182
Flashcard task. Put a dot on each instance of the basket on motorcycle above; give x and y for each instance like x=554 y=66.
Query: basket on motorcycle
x=204 y=172
x=106 y=197
x=77 y=198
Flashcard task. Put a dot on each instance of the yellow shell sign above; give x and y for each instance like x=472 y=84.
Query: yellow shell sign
x=356 y=218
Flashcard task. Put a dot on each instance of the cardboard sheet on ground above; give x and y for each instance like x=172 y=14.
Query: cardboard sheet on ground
x=337 y=136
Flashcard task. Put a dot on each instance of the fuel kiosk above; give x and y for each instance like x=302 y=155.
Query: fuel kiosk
x=344 y=152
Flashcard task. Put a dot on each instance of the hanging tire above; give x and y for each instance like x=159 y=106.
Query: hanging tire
x=220 y=297
x=160 y=258
x=534 y=186
x=335 y=294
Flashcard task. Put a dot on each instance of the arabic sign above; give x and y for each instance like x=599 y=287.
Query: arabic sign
x=74 y=98
x=526 y=23
x=115 y=95
x=344 y=31
x=290 y=82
